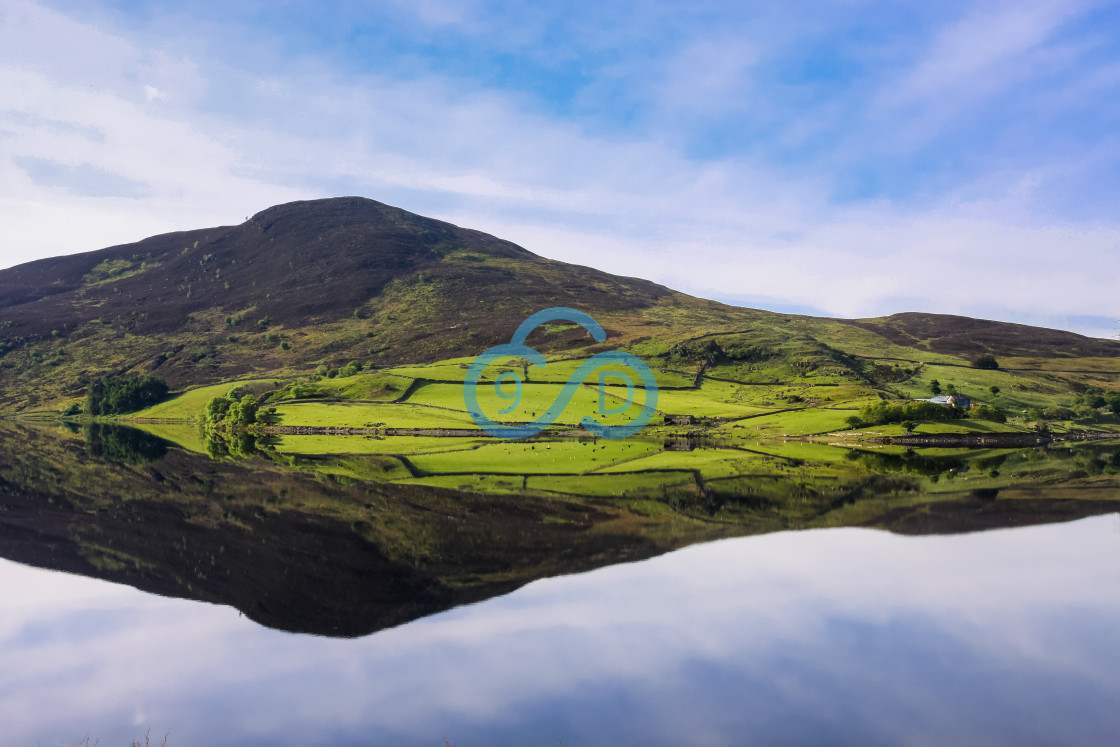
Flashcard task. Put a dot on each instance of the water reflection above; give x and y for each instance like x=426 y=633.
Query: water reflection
x=345 y=546
x=835 y=636
x=846 y=635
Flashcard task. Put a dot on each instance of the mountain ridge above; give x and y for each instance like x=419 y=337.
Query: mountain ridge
x=326 y=281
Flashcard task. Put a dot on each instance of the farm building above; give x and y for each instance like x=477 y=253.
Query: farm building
x=959 y=401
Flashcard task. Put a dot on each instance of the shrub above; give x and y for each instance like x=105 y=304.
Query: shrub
x=985 y=361
x=224 y=412
x=882 y=413
x=987 y=412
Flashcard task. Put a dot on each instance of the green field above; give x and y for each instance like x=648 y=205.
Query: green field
x=369 y=415
x=189 y=405
x=803 y=422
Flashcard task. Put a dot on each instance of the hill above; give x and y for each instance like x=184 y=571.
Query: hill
x=328 y=281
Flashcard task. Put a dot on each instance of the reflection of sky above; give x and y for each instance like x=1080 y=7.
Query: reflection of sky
x=835 y=636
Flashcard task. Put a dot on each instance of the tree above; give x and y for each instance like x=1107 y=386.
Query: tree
x=987 y=412
x=116 y=395
x=853 y=421
x=94 y=394
x=935 y=387
x=994 y=390
x=985 y=361
x=244 y=411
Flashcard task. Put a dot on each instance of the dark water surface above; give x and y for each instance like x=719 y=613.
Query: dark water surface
x=237 y=603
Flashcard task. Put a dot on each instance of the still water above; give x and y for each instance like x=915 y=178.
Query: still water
x=846 y=635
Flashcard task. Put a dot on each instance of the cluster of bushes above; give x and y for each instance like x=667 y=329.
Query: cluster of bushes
x=1096 y=401
x=882 y=413
x=744 y=353
x=230 y=411
x=986 y=361
x=349 y=369
x=1086 y=408
x=116 y=395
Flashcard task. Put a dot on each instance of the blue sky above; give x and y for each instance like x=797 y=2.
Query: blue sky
x=849 y=158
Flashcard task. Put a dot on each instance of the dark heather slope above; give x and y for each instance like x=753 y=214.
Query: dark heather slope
x=162 y=302
x=964 y=336
x=296 y=263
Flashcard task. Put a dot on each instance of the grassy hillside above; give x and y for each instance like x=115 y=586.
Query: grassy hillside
x=326 y=282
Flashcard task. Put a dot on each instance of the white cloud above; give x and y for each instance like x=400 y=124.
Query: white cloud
x=206 y=143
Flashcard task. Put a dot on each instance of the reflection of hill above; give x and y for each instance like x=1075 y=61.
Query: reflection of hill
x=980 y=511
x=305 y=550
x=293 y=551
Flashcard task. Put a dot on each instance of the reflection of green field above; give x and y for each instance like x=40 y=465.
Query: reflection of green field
x=368 y=415
x=952 y=426
x=536 y=457
x=606 y=485
x=186 y=435
x=807 y=450
x=710 y=463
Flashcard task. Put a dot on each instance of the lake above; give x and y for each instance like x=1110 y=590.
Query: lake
x=299 y=601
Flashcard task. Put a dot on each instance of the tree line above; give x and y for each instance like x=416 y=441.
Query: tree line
x=117 y=395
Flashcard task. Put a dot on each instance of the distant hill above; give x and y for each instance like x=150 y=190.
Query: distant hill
x=327 y=281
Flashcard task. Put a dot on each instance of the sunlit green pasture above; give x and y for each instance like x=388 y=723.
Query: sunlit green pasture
x=716 y=399
x=532 y=403
x=364 y=386
x=190 y=404
x=1017 y=390
x=802 y=422
x=369 y=415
